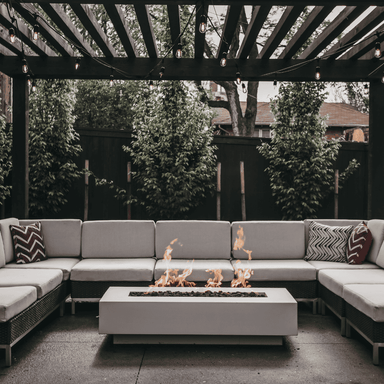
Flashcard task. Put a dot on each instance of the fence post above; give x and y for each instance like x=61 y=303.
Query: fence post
x=129 y=189
x=218 y=192
x=86 y=191
x=242 y=184
x=336 y=194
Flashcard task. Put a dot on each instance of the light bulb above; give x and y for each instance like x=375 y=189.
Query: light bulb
x=161 y=73
x=366 y=89
x=150 y=85
x=111 y=81
x=238 y=78
x=244 y=88
x=33 y=86
x=377 y=50
x=12 y=36
x=36 y=30
x=24 y=66
x=317 y=74
x=77 y=65
x=203 y=24
x=179 y=52
x=223 y=60
x=275 y=83
x=382 y=79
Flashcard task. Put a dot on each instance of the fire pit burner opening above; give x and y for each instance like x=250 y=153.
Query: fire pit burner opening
x=207 y=293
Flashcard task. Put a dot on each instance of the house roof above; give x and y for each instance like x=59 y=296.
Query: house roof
x=339 y=115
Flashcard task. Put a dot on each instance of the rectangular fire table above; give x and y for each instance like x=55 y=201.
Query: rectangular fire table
x=197 y=320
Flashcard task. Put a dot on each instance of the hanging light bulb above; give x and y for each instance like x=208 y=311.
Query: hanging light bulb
x=377 y=50
x=275 y=83
x=29 y=80
x=244 y=88
x=161 y=73
x=382 y=79
x=77 y=64
x=238 y=78
x=179 y=52
x=150 y=85
x=33 y=86
x=318 y=74
x=203 y=24
x=36 y=30
x=223 y=60
x=366 y=89
x=12 y=35
x=24 y=66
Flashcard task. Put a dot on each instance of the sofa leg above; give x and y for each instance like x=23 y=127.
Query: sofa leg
x=343 y=326
x=315 y=303
x=375 y=353
x=62 y=309
x=347 y=329
x=73 y=309
x=8 y=355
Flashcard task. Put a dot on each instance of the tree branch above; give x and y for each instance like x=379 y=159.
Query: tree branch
x=218 y=104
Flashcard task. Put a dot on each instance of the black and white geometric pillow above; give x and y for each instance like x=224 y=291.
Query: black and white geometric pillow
x=28 y=243
x=328 y=243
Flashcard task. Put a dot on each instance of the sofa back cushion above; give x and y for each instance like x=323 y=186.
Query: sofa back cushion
x=2 y=252
x=193 y=239
x=62 y=237
x=7 y=237
x=118 y=239
x=377 y=229
x=268 y=240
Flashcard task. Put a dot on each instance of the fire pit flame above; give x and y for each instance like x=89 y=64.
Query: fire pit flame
x=216 y=281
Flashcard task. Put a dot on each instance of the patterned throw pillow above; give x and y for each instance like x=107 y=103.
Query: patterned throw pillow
x=28 y=243
x=358 y=244
x=328 y=243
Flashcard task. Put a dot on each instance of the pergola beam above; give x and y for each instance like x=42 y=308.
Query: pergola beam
x=174 y=25
x=201 y=10
x=147 y=29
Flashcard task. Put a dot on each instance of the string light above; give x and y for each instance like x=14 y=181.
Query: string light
x=111 y=79
x=12 y=35
x=223 y=60
x=238 y=78
x=377 y=50
x=77 y=64
x=150 y=85
x=24 y=66
x=36 y=30
x=203 y=24
x=317 y=73
x=161 y=73
x=29 y=80
x=275 y=83
x=382 y=79
x=179 y=52
x=33 y=86
x=244 y=88
x=366 y=89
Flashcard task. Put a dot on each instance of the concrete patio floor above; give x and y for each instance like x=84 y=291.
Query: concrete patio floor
x=69 y=350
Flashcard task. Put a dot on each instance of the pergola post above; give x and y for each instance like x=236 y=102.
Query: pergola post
x=375 y=153
x=20 y=151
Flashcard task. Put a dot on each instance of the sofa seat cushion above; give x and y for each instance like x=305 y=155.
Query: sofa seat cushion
x=278 y=270
x=319 y=265
x=367 y=298
x=64 y=263
x=268 y=240
x=14 y=300
x=335 y=280
x=191 y=239
x=118 y=239
x=44 y=280
x=133 y=269
x=200 y=269
x=62 y=237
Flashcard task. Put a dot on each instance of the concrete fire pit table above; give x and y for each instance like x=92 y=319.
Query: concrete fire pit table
x=197 y=320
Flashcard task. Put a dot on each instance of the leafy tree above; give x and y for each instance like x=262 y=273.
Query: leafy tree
x=354 y=94
x=172 y=151
x=300 y=158
x=53 y=146
x=5 y=157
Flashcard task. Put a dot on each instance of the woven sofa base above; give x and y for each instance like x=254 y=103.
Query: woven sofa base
x=298 y=289
x=334 y=302
x=17 y=327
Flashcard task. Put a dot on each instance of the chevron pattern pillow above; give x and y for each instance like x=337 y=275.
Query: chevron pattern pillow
x=327 y=243
x=28 y=243
x=358 y=244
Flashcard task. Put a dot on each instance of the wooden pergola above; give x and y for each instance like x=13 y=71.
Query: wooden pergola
x=352 y=58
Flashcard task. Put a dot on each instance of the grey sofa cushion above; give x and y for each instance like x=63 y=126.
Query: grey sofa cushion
x=118 y=239
x=278 y=270
x=199 y=268
x=319 y=265
x=377 y=229
x=44 y=280
x=269 y=239
x=195 y=239
x=130 y=269
x=65 y=264
x=14 y=300
x=62 y=237
x=2 y=252
x=335 y=280
x=7 y=237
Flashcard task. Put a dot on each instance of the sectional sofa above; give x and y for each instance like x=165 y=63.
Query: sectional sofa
x=85 y=258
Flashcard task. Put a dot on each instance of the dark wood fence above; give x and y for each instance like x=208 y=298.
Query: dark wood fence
x=103 y=150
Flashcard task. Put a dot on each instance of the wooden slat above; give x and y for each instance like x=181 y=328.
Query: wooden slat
x=346 y=17
x=174 y=25
x=13 y=48
x=315 y=18
x=231 y=21
x=202 y=9
x=147 y=29
x=4 y=51
x=64 y=23
x=25 y=34
x=27 y=11
x=118 y=20
x=194 y=69
x=258 y=18
x=363 y=28
x=285 y=23
x=88 y=19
